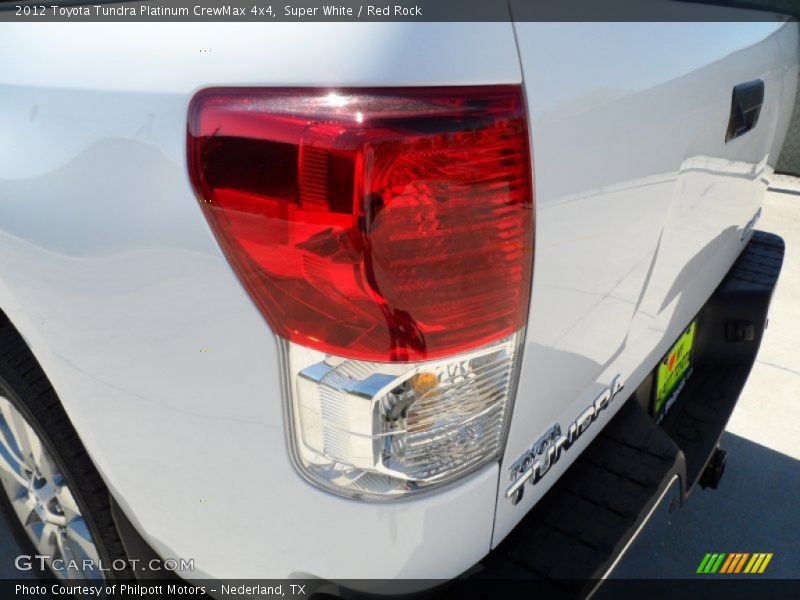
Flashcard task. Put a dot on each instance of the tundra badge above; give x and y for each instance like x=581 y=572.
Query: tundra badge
x=546 y=451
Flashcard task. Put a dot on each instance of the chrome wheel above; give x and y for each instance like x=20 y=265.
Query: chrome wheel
x=42 y=500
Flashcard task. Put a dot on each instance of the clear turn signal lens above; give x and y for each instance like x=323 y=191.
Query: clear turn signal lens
x=379 y=430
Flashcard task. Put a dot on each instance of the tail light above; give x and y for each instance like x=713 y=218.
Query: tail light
x=387 y=238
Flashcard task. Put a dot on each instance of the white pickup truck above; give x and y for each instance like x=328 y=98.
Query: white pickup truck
x=377 y=300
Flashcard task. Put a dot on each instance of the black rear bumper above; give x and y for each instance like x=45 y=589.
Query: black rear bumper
x=573 y=537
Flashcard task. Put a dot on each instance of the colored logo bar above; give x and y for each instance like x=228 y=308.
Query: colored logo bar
x=735 y=562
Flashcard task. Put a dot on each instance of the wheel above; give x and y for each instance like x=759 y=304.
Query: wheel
x=51 y=489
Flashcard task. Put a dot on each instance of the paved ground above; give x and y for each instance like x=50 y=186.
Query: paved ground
x=756 y=508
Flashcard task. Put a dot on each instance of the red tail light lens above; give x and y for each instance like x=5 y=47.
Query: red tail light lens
x=384 y=225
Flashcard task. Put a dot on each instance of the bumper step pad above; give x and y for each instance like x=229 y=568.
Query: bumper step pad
x=574 y=534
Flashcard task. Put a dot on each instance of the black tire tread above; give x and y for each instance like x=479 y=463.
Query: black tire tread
x=30 y=387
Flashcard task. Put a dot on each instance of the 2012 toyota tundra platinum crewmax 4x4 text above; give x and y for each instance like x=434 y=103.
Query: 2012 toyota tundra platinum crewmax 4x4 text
x=378 y=300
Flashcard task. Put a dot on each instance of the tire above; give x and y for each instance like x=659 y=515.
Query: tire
x=26 y=388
